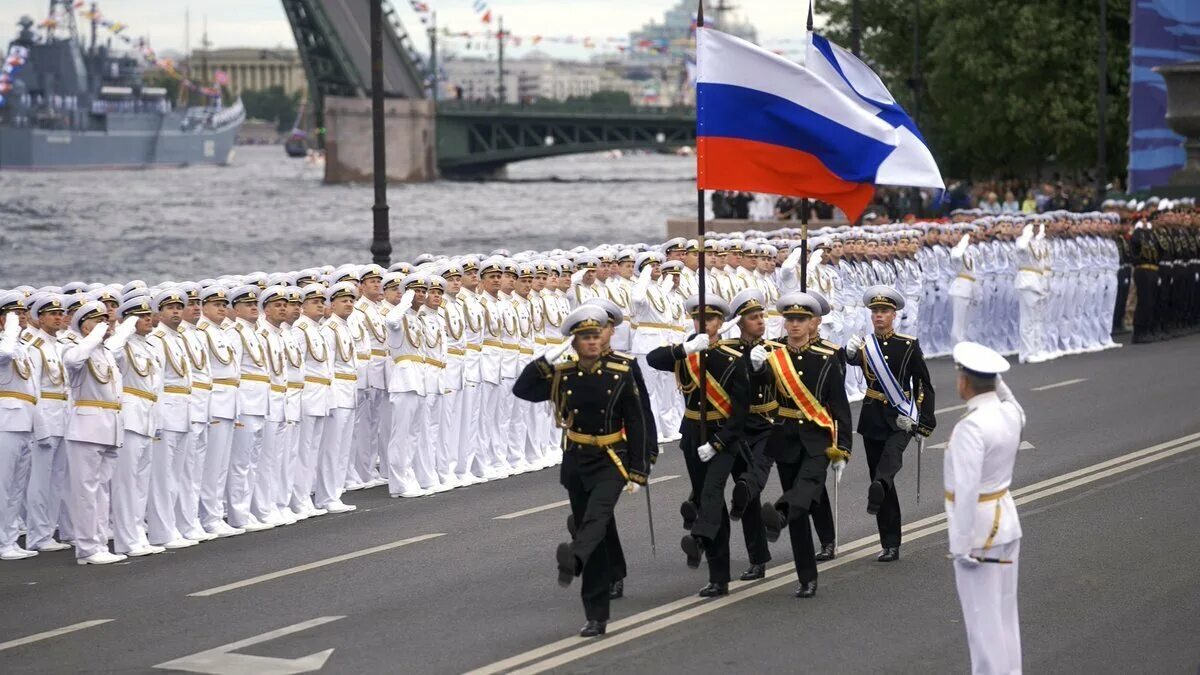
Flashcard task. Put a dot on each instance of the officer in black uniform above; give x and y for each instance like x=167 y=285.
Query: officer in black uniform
x=711 y=448
x=753 y=466
x=885 y=432
x=812 y=429
x=822 y=509
x=1163 y=309
x=1124 y=277
x=1144 y=249
x=607 y=447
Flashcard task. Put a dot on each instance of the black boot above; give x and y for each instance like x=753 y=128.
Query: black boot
x=753 y=572
x=688 y=510
x=593 y=628
x=566 y=564
x=806 y=589
x=741 y=498
x=773 y=522
x=714 y=589
x=693 y=548
x=571 y=525
x=616 y=589
x=889 y=554
x=828 y=552
x=875 y=495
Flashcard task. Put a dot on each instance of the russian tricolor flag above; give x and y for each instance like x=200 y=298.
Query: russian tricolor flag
x=827 y=129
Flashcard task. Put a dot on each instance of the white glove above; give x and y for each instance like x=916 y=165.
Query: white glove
x=966 y=561
x=406 y=300
x=1041 y=231
x=905 y=423
x=815 y=259
x=1002 y=389
x=577 y=277
x=838 y=467
x=647 y=270
x=121 y=334
x=555 y=353
x=696 y=344
x=1027 y=231
x=853 y=345
x=12 y=326
x=706 y=452
x=632 y=487
x=758 y=356
x=728 y=326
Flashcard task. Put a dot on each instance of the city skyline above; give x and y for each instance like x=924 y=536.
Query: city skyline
x=262 y=23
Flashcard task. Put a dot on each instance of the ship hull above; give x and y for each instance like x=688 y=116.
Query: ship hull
x=42 y=149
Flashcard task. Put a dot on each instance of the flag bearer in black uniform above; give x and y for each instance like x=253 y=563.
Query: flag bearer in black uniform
x=596 y=401
x=753 y=466
x=1144 y=248
x=899 y=405
x=709 y=451
x=822 y=509
x=812 y=429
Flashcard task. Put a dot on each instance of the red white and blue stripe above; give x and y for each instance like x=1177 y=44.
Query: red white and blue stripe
x=766 y=124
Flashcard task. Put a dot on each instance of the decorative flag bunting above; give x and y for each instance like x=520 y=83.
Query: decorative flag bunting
x=766 y=124
x=17 y=56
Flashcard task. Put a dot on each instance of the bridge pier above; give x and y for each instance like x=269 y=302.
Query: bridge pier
x=410 y=139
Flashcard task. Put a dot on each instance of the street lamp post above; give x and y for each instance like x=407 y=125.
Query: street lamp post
x=381 y=243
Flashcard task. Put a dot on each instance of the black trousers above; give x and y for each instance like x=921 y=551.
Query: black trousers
x=712 y=520
x=1194 y=311
x=754 y=468
x=799 y=481
x=1181 y=296
x=1162 y=300
x=822 y=518
x=885 y=457
x=1147 y=293
x=1123 y=277
x=593 y=485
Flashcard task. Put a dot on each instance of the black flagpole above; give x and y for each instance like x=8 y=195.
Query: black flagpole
x=804 y=206
x=700 y=239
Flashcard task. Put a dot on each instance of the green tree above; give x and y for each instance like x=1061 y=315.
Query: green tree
x=273 y=104
x=1009 y=86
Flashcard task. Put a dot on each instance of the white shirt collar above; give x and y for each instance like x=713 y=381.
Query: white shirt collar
x=983 y=399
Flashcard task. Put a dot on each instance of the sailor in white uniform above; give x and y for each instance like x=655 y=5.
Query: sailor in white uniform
x=985 y=533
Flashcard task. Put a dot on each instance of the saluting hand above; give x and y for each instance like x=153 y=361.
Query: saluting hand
x=12 y=325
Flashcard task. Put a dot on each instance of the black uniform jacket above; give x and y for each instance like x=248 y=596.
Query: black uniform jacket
x=761 y=414
x=907 y=363
x=820 y=369
x=601 y=408
x=726 y=370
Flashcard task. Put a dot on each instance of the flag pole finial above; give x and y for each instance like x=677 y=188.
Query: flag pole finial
x=700 y=13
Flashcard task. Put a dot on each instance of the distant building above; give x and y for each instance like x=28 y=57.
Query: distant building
x=675 y=31
x=249 y=68
x=533 y=78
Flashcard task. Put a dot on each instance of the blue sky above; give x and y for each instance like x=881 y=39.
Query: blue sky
x=261 y=23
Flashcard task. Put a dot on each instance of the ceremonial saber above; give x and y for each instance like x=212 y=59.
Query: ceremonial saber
x=836 y=535
x=650 y=517
x=920 y=449
x=993 y=561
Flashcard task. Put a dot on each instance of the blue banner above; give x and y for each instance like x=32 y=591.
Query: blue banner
x=1164 y=31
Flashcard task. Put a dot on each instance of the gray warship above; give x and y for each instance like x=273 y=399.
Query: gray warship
x=71 y=107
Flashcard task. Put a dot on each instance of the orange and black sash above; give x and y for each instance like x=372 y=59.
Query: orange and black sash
x=789 y=383
x=717 y=398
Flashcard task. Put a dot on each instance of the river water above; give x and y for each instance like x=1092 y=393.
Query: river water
x=270 y=213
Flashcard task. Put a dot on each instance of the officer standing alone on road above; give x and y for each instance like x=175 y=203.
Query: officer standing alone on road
x=985 y=533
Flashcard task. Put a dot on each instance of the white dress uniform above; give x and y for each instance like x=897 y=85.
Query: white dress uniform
x=963 y=291
x=333 y=460
x=45 y=500
x=93 y=434
x=190 y=480
x=497 y=398
x=525 y=414
x=406 y=385
x=267 y=485
x=434 y=352
x=372 y=426
x=225 y=371
x=170 y=449
x=141 y=376
x=1032 y=292
x=452 y=408
x=656 y=327
x=472 y=445
x=620 y=291
x=512 y=422
x=250 y=352
x=293 y=405
x=982 y=516
x=314 y=409
x=19 y=389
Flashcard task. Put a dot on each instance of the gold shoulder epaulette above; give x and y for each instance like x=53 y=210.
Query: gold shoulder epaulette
x=617 y=366
x=160 y=333
x=904 y=337
x=772 y=344
x=623 y=355
x=830 y=344
x=731 y=351
x=728 y=343
x=821 y=350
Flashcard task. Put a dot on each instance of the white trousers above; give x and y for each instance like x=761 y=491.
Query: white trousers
x=493 y=451
x=215 y=473
x=89 y=469
x=266 y=475
x=406 y=460
x=15 y=449
x=166 y=458
x=333 y=460
x=512 y=424
x=960 y=321
x=129 y=489
x=286 y=477
x=431 y=450
x=1032 y=327
x=470 y=448
x=45 y=498
x=243 y=462
x=190 y=476
x=367 y=426
x=988 y=595
x=304 y=469
x=448 y=423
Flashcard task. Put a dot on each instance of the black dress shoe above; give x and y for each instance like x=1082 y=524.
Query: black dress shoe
x=693 y=549
x=688 y=510
x=566 y=564
x=773 y=522
x=889 y=554
x=593 y=628
x=616 y=589
x=713 y=589
x=741 y=498
x=828 y=552
x=754 y=572
x=807 y=589
x=571 y=524
x=874 y=497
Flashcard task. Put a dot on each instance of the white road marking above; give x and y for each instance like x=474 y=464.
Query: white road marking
x=1026 y=445
x=575 y=648
x=1056 y=385
x=222 y=661
x=313 y=565
x=52 y=633
x=952 y=408
x=565 y=502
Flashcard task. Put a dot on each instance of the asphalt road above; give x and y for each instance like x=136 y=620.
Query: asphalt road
x=441 y=584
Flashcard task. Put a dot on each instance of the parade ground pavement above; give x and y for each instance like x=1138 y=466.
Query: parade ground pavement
x=466 y=581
